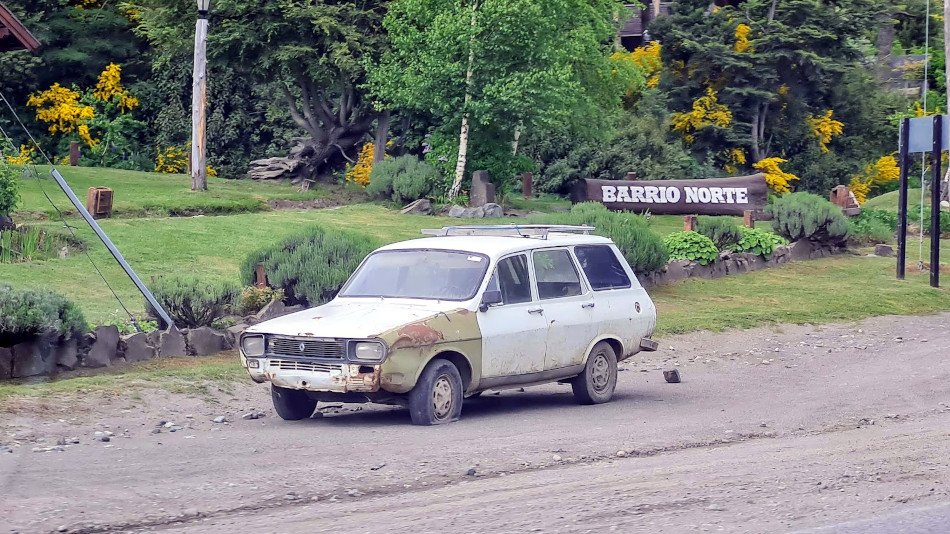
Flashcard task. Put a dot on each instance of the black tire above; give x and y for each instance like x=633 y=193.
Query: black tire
x=597 y=383
x=437 y=397
x=292 y=404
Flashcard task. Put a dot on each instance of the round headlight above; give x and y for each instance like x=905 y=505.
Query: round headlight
x=369 y=352
x=253 y=345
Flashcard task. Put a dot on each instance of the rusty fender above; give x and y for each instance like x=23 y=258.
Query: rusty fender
x=412 y=345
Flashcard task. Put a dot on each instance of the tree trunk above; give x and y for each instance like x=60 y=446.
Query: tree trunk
x=382 y=137
x=757 y=134
x=463 y=134
x=517 y=137
x=885 y=44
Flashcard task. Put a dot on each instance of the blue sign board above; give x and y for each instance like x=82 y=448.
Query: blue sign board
x=921 y=135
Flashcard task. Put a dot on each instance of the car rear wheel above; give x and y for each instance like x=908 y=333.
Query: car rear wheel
x=292 y=404
x=437 y=397
x=597 y=383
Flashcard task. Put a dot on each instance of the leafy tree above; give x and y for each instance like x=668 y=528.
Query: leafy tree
x=505 y=66
x=312 y=53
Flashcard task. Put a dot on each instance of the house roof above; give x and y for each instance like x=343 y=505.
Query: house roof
x=13 y=35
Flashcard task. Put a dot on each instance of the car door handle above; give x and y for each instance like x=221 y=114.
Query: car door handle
x=535 y=310
x=587 y=305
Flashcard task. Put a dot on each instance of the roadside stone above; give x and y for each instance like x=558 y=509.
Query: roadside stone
x=672 y=376
x=36 y=357
x=137 y=348
x=716 y=508
x=233 y=334
x=220 y=419
x=780 y=254
x=104 y=349
x=250 y=416
x=493 y=210
x=801 y=250
x=274 y=309
x=477 y=212
x=171 y=342
x=67 y=354
x=884 y=251
x=676 y=271
x=205 y=341
x=455 y=211
x=6 y=363
x=418 y=207
x=621 y=454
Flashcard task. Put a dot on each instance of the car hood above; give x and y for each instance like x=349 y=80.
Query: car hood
x=353 y=318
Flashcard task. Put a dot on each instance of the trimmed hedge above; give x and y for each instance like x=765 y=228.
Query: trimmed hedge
x=806 y=216
x=192 y=303
x=311 y=266
x=28 y=313
x=723 y=231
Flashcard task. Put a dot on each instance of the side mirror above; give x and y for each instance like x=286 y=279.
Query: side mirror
x=490 y=298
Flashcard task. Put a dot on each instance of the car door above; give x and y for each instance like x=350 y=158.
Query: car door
x=567 y=306
x=624 y=310
x=514 y=332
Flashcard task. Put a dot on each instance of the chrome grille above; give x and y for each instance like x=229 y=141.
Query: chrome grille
x=288 y=365
x=306 y=348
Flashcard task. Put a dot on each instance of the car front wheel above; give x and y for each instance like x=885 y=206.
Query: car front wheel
x=597 y=383
x=292 y=404
x=437 y=397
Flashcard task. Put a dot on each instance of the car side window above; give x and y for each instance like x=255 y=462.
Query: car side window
x=511 y=278
x=556 y=274
x=602 y=267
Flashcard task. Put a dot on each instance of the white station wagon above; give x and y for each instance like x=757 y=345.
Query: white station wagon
x=430 y=321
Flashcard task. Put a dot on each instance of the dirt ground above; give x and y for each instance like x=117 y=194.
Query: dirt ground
x=797 y=428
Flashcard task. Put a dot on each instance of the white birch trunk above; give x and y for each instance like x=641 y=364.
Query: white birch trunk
x=463 y=134
x=199 y=167
x=517 y=138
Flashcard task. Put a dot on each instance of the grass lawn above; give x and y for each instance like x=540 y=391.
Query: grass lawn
x=138 y=194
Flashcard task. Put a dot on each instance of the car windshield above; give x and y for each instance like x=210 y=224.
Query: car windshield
x=418 y=274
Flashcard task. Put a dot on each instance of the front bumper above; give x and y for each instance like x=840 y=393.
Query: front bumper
x=335 y=377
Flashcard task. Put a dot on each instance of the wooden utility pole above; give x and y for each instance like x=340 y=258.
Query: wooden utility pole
x=945 y=194
x=199 y=167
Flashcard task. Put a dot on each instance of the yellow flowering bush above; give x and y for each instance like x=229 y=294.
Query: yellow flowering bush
x=882 y=171
x=734 y=158
x=87 y=4
x=824 y=128
x=647 y=59
x=172 y=160
x=60 y=107
x=742 y=39
x=707 y=111
x=778 y=180
x=109 y=88
x=359 y=173
x=25 y=157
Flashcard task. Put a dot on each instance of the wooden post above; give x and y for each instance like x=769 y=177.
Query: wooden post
x=261 y=278
x=527 y=182
x=199 y=169
x=748 y=219
x=632 y=176
x=74 y=154
x=902 y=199
x=689 y=223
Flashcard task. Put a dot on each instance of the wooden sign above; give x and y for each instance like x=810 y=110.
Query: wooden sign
x=714 y=196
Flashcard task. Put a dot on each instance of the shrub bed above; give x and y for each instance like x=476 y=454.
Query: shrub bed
x=806 y=216
x=723 y=231
x=25 y=314
x=192 y=303
x=758 y=242
x=691 y=246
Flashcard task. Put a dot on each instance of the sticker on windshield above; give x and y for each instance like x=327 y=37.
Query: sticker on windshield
x=475 y=258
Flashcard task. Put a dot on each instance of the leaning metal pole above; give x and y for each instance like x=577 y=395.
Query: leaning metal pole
x=108 y=243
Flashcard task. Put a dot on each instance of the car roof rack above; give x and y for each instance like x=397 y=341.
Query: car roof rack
x=512 y=230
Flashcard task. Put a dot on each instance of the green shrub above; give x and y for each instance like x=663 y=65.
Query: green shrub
x=404 y=179
x=9 y=190
x=642 y=248
x=887 y=218
x=691 y=246
x=944 y=221
x=871 y=227
x=192 y=303
x=806 y=216
x=253 y=299
x=755 y=241
x=311 y=266
x=27 y=313
x=723 y=231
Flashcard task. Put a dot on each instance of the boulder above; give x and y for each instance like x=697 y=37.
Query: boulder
x=137 y=348
x=104 y=349
x=676 y=271
x=36 y=357
x=493 y=210
x=274 y=309
x=780 y=254
x=473 y=213
x=884 y=251
x=67 y=354
x=455 y=211
x=801 y=250
x=483 y=191
x=6 y=363
x=419 y=207
x=204 y=341
x=171 y=342
x=233 y=334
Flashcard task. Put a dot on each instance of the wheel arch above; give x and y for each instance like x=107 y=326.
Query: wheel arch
x=460 y=361
x=614 y=343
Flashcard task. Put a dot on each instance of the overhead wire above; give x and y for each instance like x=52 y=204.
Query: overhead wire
x=62 y=217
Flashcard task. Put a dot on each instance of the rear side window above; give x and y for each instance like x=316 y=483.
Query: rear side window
x=556 y=274
x=602 y=267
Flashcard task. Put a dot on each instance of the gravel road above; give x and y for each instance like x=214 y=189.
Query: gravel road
x=781 y=429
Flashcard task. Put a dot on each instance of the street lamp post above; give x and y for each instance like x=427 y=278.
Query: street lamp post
x=199 y=168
